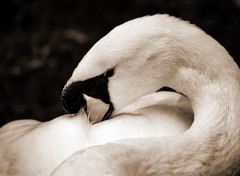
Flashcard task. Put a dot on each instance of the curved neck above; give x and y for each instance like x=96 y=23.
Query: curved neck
x=214 y=92
x=208 y=76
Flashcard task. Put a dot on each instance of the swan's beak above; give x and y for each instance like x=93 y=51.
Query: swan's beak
x=73 y=100
x=91 y=96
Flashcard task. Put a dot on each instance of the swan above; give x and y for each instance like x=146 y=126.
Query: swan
x=138 y=58
x=30 y=147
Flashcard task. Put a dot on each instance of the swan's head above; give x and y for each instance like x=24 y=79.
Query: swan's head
x=135 y=59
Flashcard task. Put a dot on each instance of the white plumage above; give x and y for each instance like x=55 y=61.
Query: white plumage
x=147 y=53
x=30 y=147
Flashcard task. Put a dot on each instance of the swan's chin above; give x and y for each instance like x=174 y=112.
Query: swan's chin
x=96 y=109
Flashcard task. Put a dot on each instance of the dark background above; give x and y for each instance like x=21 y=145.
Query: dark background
x=42 y=41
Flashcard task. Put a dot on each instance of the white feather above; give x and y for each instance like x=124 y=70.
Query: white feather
x=30 y=147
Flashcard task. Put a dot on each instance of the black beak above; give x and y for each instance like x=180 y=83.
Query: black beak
x=73 y=99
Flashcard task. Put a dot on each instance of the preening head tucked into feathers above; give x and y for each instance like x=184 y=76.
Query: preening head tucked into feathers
x=122 y=65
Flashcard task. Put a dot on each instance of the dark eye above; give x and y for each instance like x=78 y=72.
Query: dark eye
x=109 y=72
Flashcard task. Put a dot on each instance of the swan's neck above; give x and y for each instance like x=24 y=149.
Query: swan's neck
x=209 y=77
x=213 y=93
x=216 y=107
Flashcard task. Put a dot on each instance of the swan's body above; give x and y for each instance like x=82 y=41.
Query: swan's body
x=29 y=147
x=147 y=54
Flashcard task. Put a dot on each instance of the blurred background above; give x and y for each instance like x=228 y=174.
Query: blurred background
x=41 y=42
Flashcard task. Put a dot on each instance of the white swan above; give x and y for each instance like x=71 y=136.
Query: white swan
x=29 y=147
x=138 y=58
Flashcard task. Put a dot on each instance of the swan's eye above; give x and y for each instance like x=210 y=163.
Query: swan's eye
x=109 y=72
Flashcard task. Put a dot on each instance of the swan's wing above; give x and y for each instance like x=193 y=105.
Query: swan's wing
x=167 y=107
x=157 y=115
x=29 y=147
x=9 y=133
x=172 y=99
